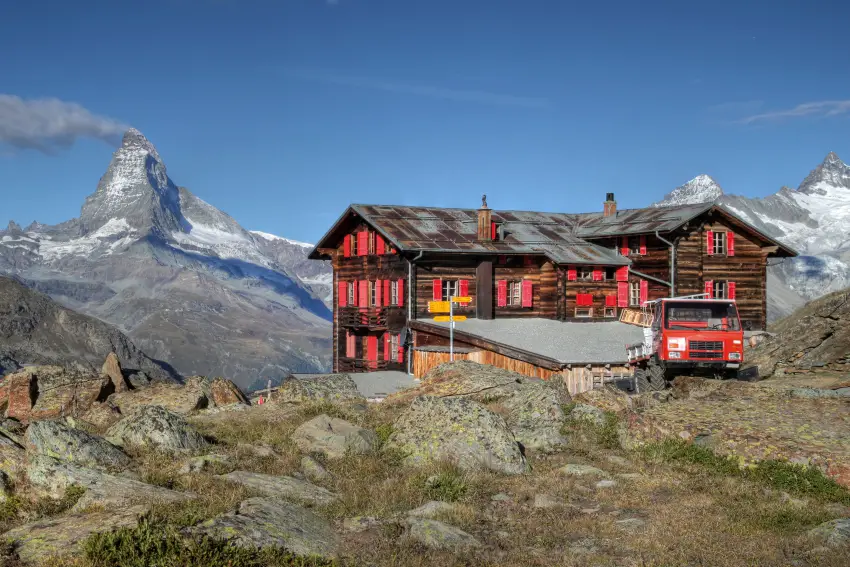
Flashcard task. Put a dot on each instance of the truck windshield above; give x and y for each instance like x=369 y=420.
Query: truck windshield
x=714 y=316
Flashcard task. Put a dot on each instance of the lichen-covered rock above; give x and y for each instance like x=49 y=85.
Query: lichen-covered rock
x=532 y=408
x=334 y=437
x=36 y=542
x=458 y=430
x=173 y=397
x=102 y=415
x=284 y=487
x=334 y=388
x=46 y=392
x=156 y=427
x=112 y=369
x=12 y=455
x=266 y=522
x=607 y=398
x=314 y=470
x=224 y=392
x=55 y=439
x=139 y=380
x=431 y=510
x=835 y=533
x=52 y=478
x=437 y=535
x=587 y=414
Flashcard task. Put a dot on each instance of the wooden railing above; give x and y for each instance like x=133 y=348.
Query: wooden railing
x=360 y=365
x=369 y=317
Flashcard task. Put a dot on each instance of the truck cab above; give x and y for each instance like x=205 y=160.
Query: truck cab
x=689 y=335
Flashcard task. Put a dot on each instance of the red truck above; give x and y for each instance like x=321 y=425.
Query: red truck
x=688 y=335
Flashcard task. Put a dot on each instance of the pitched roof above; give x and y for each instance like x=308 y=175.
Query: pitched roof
x=637 y=221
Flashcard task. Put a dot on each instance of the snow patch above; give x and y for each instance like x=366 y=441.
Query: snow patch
x=274 y=237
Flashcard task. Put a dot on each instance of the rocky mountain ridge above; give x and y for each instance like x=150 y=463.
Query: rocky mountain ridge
x=183 y=279
x=814 y=219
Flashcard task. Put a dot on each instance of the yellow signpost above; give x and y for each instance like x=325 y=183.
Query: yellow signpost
x=447 y=318
x=448 y=307
x=439 y=306
x=462 y=299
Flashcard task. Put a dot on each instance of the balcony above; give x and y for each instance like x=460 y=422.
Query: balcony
x=360 y=365
x=364 y=317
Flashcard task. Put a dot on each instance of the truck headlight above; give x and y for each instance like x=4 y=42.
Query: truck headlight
x=675 y=355
x=677 y=343
x=734 y=356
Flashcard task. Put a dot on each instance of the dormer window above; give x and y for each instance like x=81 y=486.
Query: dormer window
x=495 y=230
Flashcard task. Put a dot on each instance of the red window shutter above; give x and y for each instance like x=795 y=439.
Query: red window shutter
x=493 y=232
x=342 y=293
x=622 y=294
x=597 y=275
x=372 y=349
x=386 y=292
x=730 y=243
x=379 y=244
x=623 y=274
x=400 y=350
x=610 y=301
x=644 y=291
x=400 y=293
x=386 y=346
x=709 y=242
x=364 y=294
x=501 y=293
x=586 y=300
x=379 y=288
x=346 y=246
x=464 y=288
x=643 y=245
x=527 y=293
x=624 y=246
x=709 y=289
x=437 y=290
x=572 y=274
x=363 y=243
x=730 y=290
x=349 y=345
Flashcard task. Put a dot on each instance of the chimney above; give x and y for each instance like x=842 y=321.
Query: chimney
x=484 y=221
x=609 y=207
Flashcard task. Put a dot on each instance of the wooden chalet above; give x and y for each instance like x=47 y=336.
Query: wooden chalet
x=390 y=261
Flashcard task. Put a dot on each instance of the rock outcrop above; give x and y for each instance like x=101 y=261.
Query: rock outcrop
x=156 y=427
x=531 y=407
x=175 y=398
x=334 y=437
x=265 y=522
x=57 y=440
x=12 y=454
x=45 y=392
x=224 y=392
x=112 y=369
x=457 y=430
x=334 y=388
x=437 y=535
x=283 y=487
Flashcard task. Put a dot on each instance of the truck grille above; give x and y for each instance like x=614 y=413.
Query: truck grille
x=711 y=350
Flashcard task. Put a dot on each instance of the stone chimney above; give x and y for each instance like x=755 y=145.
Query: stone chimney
x=484 y=221
x=609 y=207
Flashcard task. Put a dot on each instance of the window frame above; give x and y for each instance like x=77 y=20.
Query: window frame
x=634 y=245
x=609 y=274
x=609 y=311
x=394 y=292
x=584 y=274
x=720 y=246
x=371 y=247
x=352 y=294
x=373 y=293
x=395 y=340
x=580 y=312
x=447 y=286
x=353 y=244
x=514 y=298
x=634 y=294
x=717 y=286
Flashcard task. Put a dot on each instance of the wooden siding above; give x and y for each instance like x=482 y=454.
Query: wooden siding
x=543 y=278
x=462 y=268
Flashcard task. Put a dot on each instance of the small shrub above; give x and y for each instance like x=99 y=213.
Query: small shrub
x=449 y=486
x=384 y=431
x=50 y=507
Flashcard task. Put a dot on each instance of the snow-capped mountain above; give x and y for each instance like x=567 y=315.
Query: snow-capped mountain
x=814 y=219
x=183 y=279
x=700 y=189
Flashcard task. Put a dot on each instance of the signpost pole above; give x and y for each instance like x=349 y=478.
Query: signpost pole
x=451 y=329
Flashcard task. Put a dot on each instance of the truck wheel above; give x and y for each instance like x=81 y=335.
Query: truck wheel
x=641 y=382
x=657 y=381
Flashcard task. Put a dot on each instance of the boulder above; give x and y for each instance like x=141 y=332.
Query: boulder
x=334 y=388
x=173 y=397
x=835 y=533
x=52 y=478
x=46 y=392
x=585 y=413
x=139 y=380
x=284 y=487
x=431 y=510
x=12 y=455
x=112 y=369
x=334 y=437
x=156 y=427
x=224 y=392
x=607 y=398
x=314 y=470
x=458 y=430
x=266 y=522
x=55 y=439
x=35 y=543
x=532 y=408
x=102 y=415
x=437 y=535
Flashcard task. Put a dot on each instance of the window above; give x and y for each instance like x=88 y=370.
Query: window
x=394 y=293
x=701 y=315
x=515 y=293
x=373 y=293
x=634 y=294
x=450 y=289
x=720 y=242
x=371 y=242
x=585 y=275
x=352 y=293
x=354 y=244
x=610 y=311
x=584 y=311
x=610 y=274
x=634 y=245
x=394 y=342
x=720 y=290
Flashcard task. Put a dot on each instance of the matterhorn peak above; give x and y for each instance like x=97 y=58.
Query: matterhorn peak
x=135 y=140
x=831 y=173
x=701 y=189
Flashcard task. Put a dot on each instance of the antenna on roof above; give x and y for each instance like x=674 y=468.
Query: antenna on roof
x=484 y=201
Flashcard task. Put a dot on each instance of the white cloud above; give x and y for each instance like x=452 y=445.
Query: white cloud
x=48 y=124
x=816 y=109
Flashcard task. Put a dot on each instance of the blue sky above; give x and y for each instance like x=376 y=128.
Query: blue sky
x=281 y=112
